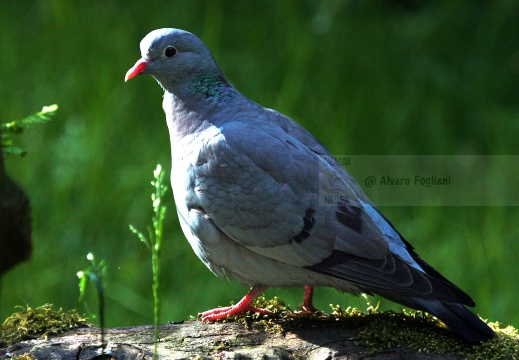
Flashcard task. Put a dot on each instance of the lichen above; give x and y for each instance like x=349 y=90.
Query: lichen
x=31 y=323
x=381 y=330
x=223 y=345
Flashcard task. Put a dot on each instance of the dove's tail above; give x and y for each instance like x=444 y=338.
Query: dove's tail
x=457 y=317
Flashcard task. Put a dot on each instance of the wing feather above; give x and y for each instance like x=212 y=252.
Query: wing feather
x=263 y=184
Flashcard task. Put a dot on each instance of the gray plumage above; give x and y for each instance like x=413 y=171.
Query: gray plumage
x=249 y=185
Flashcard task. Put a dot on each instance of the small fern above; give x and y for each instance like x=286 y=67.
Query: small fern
x=17 y=126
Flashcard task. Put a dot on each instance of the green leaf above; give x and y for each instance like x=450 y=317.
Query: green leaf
x=17 y=126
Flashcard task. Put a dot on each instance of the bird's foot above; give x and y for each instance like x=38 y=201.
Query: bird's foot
x=308 y=306
x=242 y=306
x=309 y=310
x=222 y=313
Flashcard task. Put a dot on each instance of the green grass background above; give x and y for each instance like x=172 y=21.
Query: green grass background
x=365 y=77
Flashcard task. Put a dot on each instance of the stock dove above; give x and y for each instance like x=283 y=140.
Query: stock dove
x=249 y=184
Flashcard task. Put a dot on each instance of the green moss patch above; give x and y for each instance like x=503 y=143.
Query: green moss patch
x=381 y=330
x=32 y=323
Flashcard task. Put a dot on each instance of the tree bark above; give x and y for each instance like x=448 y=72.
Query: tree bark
x=195 y=340
x=15 y=222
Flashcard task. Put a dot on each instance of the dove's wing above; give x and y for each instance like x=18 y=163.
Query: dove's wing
x=267 y=191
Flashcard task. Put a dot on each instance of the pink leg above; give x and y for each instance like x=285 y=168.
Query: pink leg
x=308 y=306
x=242 y=306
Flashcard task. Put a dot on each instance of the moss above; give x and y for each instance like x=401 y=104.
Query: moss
x=270 y=323
x=425 y=333
x=22 y=357
x=381 y=330
x=223 y=345
x=31 y=323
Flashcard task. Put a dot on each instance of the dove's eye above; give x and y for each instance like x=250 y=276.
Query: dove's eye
x=170 y=51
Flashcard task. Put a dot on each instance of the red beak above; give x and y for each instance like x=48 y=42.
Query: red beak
x=138 y=68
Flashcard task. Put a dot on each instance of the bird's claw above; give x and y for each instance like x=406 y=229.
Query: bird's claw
x=308 y=310
x=224 y=312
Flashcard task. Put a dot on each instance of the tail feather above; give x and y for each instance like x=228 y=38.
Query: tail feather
x=457 y=317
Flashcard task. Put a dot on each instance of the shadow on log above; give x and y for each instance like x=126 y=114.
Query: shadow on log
x=194 y=340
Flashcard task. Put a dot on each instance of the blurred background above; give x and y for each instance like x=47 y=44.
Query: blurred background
x=365 y=77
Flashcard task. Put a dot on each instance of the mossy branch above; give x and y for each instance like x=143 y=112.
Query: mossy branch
x=343 y=334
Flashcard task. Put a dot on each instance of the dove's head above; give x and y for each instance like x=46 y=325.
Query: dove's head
x=172 y=56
